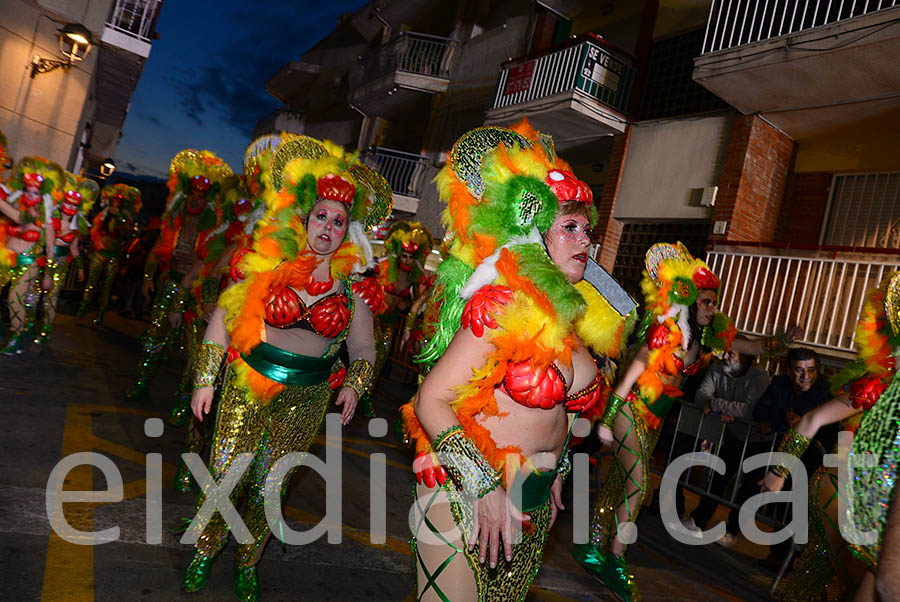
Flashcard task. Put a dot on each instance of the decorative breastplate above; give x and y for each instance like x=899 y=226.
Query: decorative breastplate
x=534 y=388
x=326 y=317
x=26 y=235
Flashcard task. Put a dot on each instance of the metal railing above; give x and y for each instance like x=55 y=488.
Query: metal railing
x=134 y=17
x=410 y=52
x=587 y=67
x=765 y=291
x=737 y=22
x=403 y=171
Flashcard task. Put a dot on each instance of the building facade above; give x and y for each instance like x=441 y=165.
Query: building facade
x=71 y=112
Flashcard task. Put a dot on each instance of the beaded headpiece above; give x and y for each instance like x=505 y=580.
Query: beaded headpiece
x=127 y=199
x=410 y=237
x=195 y=172
x=79 y=195
x=36 y=171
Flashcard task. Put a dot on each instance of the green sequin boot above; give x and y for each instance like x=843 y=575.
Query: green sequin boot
x=184 y=481
x=246 y=583
x=43 y=335
x=197 y=572
x=15 y=345
x=609 y=569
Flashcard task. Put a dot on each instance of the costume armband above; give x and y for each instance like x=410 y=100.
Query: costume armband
x=564 y=466
x=794 y=443
x=359 y=376
x=613 y=406
x=465 y=463
x=209 y=361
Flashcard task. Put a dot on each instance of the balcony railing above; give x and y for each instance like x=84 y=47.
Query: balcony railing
x=135 y=18
x=403 y=171
x=737 y=22
x=410 y=52
x=587 y=67
x=822 y=292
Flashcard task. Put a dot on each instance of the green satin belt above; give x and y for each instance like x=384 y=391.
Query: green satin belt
x=535 y=489
x=61 y=251
x=289 y=368
x=23 y=259
x=662 y=405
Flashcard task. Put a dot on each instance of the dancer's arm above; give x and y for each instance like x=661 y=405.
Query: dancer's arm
x=623 y=388
x=10 y=212
x=361 y=350
x=832 y=411
x=216 y=335
x=495 y=511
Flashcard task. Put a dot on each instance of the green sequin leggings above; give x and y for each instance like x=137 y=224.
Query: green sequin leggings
x=101 y=275
x=48 y=303
x=449 y=572
x=24 y=292
x=159 y=333
x=628 y=480
x=286 y=424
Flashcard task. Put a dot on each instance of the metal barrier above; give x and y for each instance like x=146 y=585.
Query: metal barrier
x=767 y=290
x=734 y=23
x=411 y=53
x=709 y=435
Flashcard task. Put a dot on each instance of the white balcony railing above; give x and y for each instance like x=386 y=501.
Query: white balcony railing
x=587 y=66
x=403 y=171
x=766 y=290
x=737 y=22
x=134 y=18
x=410 y=52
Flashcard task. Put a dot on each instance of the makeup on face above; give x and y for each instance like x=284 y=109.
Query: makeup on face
x=326 y=227
x=568 y=240
x=706 y=307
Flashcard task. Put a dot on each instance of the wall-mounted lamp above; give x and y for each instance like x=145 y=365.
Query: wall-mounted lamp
x=75 y=41
x=107 y=168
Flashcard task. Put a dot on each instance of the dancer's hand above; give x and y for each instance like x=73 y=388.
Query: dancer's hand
x=494 y=514
x=175 y=319
x=556 y=503
x=605 y=434
x=201 y=401
x=771 y=482
x=347 y=400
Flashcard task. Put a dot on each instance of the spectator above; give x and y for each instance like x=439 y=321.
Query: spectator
x=788 y=397
x=730 y=390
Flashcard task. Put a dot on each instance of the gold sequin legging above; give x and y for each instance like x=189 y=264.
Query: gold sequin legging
x=286 y=424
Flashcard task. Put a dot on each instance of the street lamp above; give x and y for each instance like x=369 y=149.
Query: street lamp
x=75 y=42
x=107 y=168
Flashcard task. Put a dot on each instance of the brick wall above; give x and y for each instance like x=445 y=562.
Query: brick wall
x=803 y=210
x=611 y=229
x=753 y=180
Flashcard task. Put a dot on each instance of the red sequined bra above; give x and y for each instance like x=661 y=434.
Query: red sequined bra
x=546 y=388
x=326 y=317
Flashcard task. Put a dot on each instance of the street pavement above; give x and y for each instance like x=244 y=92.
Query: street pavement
x=69 y=398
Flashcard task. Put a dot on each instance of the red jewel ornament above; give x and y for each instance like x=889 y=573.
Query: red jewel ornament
x=335 y=188
x=486 y=300
x=866 y=391
x=534 y=387
x=330 y=316
x=371 y=292
x=568 y=188
x=32 y=179
x=703 y=278
x=410 y=247
x=657 y=336
x=317 y=288
x=200 y=184
x=241 y=206
x=337 y=378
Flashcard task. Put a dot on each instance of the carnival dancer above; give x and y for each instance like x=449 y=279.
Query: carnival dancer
x=195 y=189
x=867 y=403
x=283 y=326
x=110 y=228
x=33 y=190
x=682 y=330
x=512 y=364
x=69 y=224
x=402 y=276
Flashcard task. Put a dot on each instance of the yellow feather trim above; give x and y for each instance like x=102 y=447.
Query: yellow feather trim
x=600 y=327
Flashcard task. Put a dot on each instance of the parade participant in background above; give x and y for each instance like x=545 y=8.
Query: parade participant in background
x=33 y=190
x=867 y=404
x=69 y=223
x=211 y=274
x=195 y=190
x=282 y=326
x=512 y=364
x=682 y=330
x=402 y=276
x=110 y=229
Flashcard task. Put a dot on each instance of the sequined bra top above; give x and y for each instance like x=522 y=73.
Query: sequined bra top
x=536 y=388
x=326 y=317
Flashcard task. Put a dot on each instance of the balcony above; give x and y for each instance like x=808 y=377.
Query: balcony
x=405 y=172
x=767 y=287
x=577 y=92
x=130 y=25
x=804 y=64
x=401 y=73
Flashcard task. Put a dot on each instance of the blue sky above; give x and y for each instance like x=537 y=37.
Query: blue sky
x=203 y=85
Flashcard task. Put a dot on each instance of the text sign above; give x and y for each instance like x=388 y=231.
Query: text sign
x=602 y=68
x=518 y=78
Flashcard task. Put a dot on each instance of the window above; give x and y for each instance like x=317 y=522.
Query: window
x=864 y=211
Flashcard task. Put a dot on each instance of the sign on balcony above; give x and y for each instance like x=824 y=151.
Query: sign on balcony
x=601 y=68
x=519 y=78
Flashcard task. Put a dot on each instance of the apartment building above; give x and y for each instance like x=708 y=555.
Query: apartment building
x=69 y=69
x=759 y=133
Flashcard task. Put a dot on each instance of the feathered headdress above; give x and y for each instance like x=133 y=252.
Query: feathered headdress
x=302 y=171
x=42 y=173
x=124 y=198
x=5 y=160
x=79 y=196
x=413 y=238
